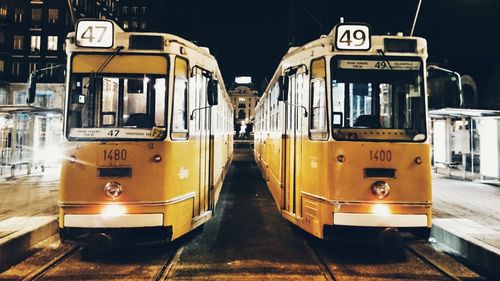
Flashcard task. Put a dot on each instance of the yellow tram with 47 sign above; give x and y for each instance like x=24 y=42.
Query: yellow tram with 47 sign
x=148 y=135
x=341 y=134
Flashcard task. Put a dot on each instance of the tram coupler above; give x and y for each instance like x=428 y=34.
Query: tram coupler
x=391 y=244
x=98 y=245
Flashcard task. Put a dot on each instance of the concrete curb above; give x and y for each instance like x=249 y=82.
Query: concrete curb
x=14 y=245
x=477 y=252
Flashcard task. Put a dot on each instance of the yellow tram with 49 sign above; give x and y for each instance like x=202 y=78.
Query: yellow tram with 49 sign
x=341 y=134
x=148 y=134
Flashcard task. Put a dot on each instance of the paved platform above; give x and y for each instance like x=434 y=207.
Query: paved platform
x=466 y=217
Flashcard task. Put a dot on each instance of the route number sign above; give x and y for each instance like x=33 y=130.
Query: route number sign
x=94 y=34
x=353 y=37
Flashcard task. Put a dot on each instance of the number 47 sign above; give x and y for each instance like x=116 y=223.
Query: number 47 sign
x=94 y=33
x=352 y=37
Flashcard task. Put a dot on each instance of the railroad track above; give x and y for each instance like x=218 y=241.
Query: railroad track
x=39 y=272
x=439 y=263
x=170 y=262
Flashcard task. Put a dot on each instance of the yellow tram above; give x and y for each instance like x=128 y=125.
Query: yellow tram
x=148 y=133
x=341 y=133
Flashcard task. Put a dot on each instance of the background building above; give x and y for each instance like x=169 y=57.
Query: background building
x=244 y=97
x=32 y=38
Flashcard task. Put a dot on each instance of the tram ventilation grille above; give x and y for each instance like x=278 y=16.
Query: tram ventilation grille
x=380 y=173
x=114 y=172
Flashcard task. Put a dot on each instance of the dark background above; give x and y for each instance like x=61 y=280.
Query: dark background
x=250 y=37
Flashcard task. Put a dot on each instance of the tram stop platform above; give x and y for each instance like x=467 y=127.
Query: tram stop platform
x=466 y=220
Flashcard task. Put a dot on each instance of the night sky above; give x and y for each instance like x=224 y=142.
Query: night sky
x=250 y=37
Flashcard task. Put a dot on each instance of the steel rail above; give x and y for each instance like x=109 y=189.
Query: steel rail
x=431 y=263
x=37 y=273
x=167 y=266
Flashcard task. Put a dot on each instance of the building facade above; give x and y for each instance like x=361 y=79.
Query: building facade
x=32 y=38
x=244 y=97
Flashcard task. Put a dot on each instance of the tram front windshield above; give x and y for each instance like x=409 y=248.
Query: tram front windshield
x=113 y=106
x=385 y=95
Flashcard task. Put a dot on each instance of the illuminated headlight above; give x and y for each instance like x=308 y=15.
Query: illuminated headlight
x=113 y=189
x=380 y=189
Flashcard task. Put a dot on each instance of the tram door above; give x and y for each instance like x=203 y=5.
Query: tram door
x=293 y=132
x=202 y=129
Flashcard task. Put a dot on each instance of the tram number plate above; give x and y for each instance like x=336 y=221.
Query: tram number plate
x=94 y=33
x=114 y=154
x=380 y=155
x=352 y=37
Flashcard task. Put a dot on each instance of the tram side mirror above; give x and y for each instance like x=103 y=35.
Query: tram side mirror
x=337 y=118
x=32 y=88
x=283 y=92
x=212 y=92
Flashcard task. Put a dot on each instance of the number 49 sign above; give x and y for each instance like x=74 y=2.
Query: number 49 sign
x=94 y=33
x=352 y=37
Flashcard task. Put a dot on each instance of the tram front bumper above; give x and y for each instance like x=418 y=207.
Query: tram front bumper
x=112 y=221
x=380 y=220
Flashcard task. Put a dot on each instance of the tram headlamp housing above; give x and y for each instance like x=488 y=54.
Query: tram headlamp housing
x=113 y=189
x=380 y=189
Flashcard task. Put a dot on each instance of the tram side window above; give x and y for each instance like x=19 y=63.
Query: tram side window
x=180 y=100
x=318 y=122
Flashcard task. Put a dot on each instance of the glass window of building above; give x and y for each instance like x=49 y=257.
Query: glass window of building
x=134 y=24
x=125 y=24
x=18 y=15
x=18 y=42
x=20 y=97
x=52 y=43
x=50 y=69
x=16 y=68
x=3 y=97
x=35 y=43
x=53 y=15
x=125 y=10
x=143 y=25
x=36 y=17
x=144 y=10
x=33 y=67
x=3 y=11
x=2 y=66
x=135 y=10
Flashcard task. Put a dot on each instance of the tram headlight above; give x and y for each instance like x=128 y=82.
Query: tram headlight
x=418 y=160
x=113 y=189
x=380 y=189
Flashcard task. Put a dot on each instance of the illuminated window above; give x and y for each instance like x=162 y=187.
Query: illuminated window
x=2 y=66
x=35 y=43
x=241 y=99
x=52 y=43
x=134 y=25
x=18 y=42
x=18 y=15
x=125 y=24
x=53 y=15
x=3 y=11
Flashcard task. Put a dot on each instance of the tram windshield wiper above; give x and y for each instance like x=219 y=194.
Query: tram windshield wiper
x=103 y=65
x=382 y=54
